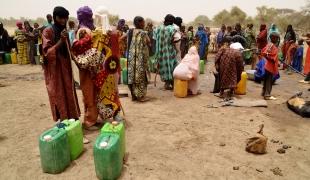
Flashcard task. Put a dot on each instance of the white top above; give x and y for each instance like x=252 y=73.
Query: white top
x=236 y=46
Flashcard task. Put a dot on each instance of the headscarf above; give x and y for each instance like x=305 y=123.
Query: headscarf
x=101 y=18
x=60 y=12
x=85 y=17
x=169 y=20
x=191 y=59
x=262 y=27
x=19 y=24
x=178 y=21
x=273 y=29
x=275 y=34
x=203 y=41
x=1 y=28
x=121 y=24
x=290 y=34
x=29 y=28
x=58 y=28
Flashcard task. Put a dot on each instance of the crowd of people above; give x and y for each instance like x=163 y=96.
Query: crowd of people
x=89 y=55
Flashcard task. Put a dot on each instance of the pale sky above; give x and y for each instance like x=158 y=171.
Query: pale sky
x=155 y=9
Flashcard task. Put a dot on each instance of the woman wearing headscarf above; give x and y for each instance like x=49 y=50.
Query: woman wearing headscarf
x=188 y=69
x=122 y=42
x=86 y=25
x=184 y=43
x=177 y=37
x=21 y=41
x=98 y=71
x=261 y=38
x=289 y=38
x=138 y=54
x=166 y=55
x=30 y=42
x=289 y=47
x=190 y=36
x=57 y=68
x=229 y=65
x=201 y=33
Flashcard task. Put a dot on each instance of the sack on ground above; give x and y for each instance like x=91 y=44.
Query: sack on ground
x=258 y=143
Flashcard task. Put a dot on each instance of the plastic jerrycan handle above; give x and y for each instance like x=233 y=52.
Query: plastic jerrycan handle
x=105 y=143
x=49 y=137
x=114 y=124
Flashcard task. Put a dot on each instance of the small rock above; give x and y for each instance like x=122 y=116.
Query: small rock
x=281 y=151
x=289 y=146
x=281 y=143
x=251 y=120
x=258 y=170
x=285 y=147
x=277 y=171
x=222 y=144
x=274 y=141
x=236 y=168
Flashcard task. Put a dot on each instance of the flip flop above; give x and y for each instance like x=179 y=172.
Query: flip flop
x=270 y=98
x=304 y=82
x=85 y=140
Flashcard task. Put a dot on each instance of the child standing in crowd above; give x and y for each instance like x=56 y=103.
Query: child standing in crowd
x=270 y=53
x=298 y=56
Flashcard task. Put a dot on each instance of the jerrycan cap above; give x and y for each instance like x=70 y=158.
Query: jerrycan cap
x=103 y=144
x=115 y=123
x=47 y=138
x=71 y=120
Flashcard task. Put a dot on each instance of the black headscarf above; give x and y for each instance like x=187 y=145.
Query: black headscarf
x=1 y=28
x=291 y=33
x=58 y=28
x=169 y=20
x=178 y=21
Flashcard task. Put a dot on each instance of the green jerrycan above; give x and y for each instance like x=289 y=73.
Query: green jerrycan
x=107 y=156
x=54 y=150
x=125 y=76
x=202 y=66
x=75 y=136
x=118 y=128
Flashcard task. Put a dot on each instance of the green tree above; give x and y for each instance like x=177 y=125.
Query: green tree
x=266 y=15
x=238 y=15
x=222 y=17
x=113 y=19
x=202 y=19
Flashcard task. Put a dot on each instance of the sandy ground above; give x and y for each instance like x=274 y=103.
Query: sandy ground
x=167 y=138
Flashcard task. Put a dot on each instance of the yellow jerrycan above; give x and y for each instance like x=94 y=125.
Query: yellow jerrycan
x=180 y=88
x=241 y=86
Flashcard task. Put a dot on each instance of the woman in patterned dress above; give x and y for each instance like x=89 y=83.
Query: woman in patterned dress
x=138 y=60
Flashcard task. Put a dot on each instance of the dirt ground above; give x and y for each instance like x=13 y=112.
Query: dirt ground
x=167 y=138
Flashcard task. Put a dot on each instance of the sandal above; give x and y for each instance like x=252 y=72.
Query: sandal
x=144 y=99
x=270 y=98
x=304 y=82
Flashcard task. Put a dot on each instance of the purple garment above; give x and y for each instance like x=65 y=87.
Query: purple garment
x=121 y=24
x=220 y=37
x=85 y=17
